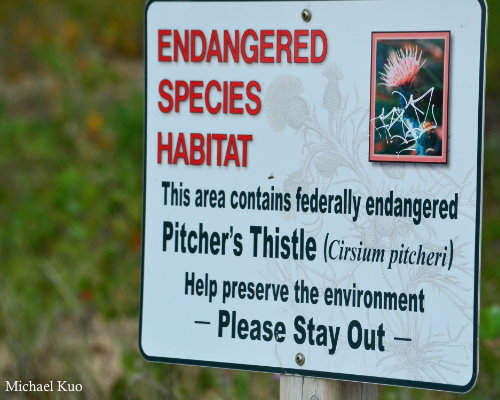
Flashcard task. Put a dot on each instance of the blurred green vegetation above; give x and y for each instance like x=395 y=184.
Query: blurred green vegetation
x=71 y=121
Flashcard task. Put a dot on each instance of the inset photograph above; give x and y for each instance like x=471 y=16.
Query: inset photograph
x=409 y=97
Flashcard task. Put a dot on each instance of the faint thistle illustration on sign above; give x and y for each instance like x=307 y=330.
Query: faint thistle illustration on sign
x=332 y=151
x=409 y=97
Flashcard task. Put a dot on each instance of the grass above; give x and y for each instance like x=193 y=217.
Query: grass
x=71 y=120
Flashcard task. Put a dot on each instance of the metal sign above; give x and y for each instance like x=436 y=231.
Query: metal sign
x=312 y=188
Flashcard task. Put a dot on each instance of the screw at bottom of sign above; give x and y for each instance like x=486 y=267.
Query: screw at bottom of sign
x=300 y=359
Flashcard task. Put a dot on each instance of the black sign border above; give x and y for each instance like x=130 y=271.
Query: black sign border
x=327 y=375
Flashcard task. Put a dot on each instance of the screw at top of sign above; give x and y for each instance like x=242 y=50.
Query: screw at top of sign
x=306 y=15
x=300 y=359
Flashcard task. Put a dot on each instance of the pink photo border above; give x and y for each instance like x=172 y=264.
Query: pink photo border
x=376 y=36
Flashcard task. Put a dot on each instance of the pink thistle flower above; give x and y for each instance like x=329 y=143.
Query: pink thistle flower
x=402 y=67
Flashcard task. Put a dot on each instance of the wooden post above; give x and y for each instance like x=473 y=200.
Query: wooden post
x=302 y=388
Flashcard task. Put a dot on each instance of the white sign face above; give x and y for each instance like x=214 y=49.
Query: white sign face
x=312 y=193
